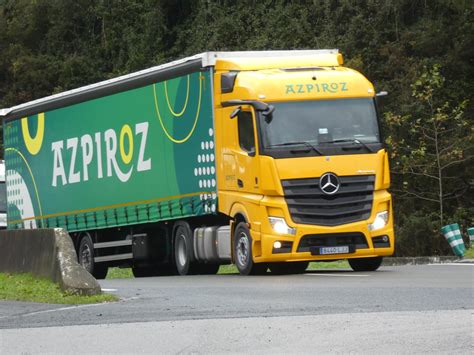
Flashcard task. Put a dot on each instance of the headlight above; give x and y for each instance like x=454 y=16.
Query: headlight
x=381 y=220
x=279 y=226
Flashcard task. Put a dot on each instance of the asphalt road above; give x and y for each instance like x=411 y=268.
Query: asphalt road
x=407 y=309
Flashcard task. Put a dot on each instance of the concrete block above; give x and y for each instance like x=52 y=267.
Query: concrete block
x=47 y=253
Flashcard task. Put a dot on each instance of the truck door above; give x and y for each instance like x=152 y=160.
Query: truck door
x=247 y=162
x=241 y=161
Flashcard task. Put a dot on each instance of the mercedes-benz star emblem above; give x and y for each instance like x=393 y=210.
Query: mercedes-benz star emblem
x=329 y=184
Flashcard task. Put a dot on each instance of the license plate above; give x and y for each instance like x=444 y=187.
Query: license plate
x=334 y=250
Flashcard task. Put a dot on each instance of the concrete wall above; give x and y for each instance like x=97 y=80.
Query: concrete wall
x=47 y=253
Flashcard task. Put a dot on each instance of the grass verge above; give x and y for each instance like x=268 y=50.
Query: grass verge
x=469 y=254
x=119 y=273
x=29 y=288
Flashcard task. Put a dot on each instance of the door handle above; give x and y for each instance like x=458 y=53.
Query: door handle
x=240 y=183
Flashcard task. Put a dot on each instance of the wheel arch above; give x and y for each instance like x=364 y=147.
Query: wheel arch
x=239 y=214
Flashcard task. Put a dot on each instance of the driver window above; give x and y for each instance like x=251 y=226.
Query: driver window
x=246 y=137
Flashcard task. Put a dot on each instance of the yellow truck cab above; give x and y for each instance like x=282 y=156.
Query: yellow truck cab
x=301 y=165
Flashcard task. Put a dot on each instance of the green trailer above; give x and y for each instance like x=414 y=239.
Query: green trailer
x=109 y=162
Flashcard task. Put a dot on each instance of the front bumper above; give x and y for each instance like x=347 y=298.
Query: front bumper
x=309 y=238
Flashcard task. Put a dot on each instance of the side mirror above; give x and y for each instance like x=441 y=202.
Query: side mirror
x=235 y=112
x=252 y=152
x=380 y=97
x=268 y=113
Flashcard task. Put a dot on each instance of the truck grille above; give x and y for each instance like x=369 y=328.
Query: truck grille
x=309 y=205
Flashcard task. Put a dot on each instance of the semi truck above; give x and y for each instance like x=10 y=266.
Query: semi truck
x=265 y=159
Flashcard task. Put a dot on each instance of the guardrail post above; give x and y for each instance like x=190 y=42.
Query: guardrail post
x=453 y=235
x=470 y=231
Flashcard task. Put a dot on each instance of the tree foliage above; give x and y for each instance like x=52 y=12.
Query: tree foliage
x=420 y=51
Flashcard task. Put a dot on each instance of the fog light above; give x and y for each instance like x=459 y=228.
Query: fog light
x=279 y=226
x=382 y=241
x=282 y=247
x=381 y=220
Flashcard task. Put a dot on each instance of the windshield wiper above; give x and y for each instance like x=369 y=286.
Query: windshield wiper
x=297 y=143
x=350 y=140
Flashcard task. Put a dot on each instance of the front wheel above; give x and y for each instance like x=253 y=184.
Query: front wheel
x=365 y=264
x=243 y=252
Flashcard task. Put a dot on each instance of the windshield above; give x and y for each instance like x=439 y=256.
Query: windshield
x=3 y=198
x=320 y=123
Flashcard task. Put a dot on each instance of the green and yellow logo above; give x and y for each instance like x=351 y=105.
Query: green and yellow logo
x=33 y=144
x=178 y=114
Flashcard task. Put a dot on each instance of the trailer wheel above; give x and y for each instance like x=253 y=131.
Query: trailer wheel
x=243 y=252
x=86 y=258
x=183 y=249
x=365 y=264
x=298 y=267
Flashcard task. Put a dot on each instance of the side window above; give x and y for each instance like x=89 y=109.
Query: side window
x=246 y=137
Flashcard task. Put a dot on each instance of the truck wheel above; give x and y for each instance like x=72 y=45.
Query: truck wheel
x=86 y=258
x=183 y=249
x=243 y=252
x=298 y=267
x=365 y=264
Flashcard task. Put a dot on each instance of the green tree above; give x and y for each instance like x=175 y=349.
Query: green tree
x=432 y=147
x=49 y=46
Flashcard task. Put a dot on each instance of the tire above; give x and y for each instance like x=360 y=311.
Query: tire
x=183 y=249
x=297 y=267
x=85 y=258
x=243 y=252
x=365 y=264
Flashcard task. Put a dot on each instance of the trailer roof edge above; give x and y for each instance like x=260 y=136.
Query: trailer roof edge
x=141 y=78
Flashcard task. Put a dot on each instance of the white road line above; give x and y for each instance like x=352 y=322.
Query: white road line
x=337 y=275
x=67 y=308
x=452 y=264
x=60 y=309
x=109 y=290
